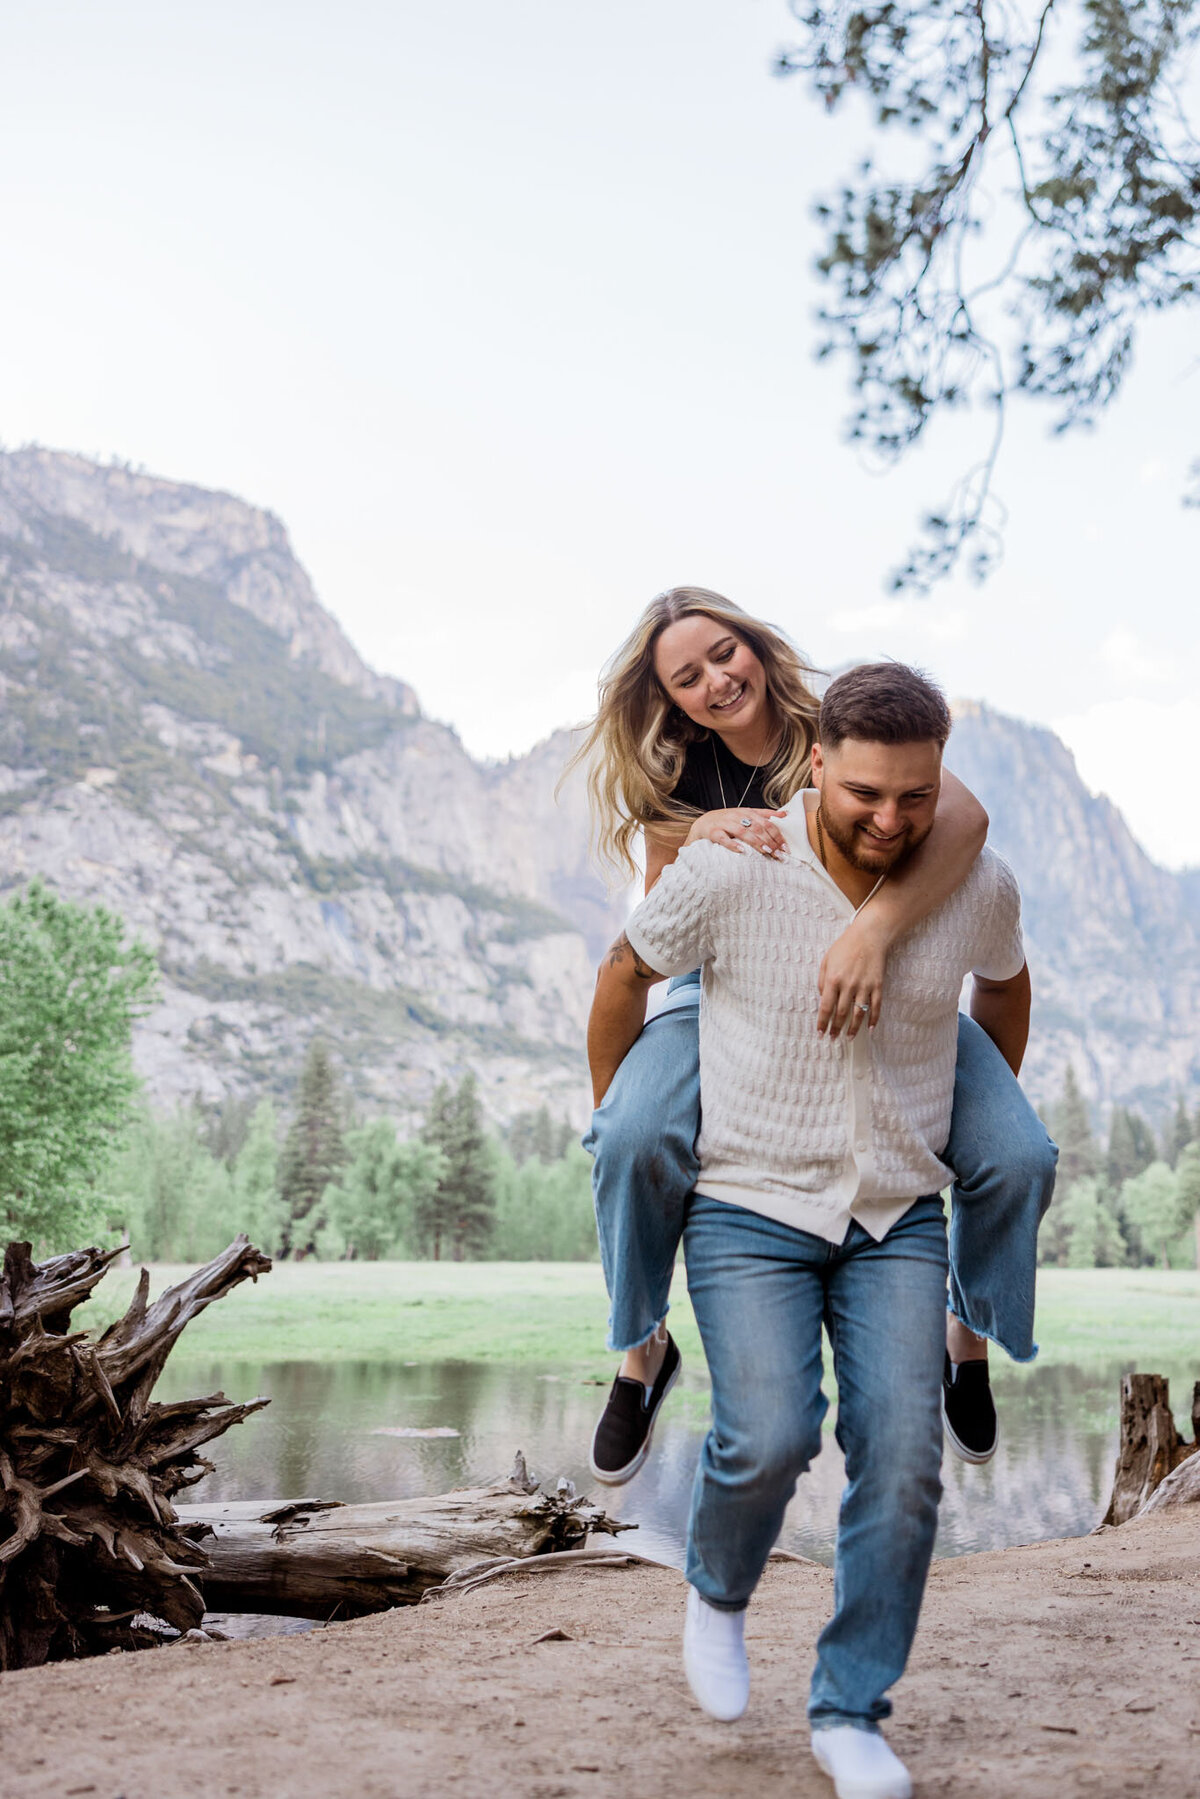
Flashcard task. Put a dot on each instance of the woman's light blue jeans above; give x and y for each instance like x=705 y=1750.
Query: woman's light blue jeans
x=761 y=1291
x=643 y=1139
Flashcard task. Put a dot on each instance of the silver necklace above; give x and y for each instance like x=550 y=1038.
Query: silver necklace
x=720 y=783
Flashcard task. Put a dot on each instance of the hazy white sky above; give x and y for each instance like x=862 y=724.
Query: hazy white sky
x=507 y=311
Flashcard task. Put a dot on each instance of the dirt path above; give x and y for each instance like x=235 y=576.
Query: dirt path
x=1059 y=1669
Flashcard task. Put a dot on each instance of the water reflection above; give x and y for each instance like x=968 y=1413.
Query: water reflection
x=1050 y=1478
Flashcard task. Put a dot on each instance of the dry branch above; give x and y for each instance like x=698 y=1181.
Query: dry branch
x=313 y=1558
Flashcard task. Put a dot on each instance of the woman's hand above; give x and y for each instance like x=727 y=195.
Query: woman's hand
x=741 y=828
x=851 y=977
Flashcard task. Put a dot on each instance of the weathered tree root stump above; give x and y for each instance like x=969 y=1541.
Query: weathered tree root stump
x=319 y=1559
x=1156 y=1467
x=90 y=1548
x=93 y=1554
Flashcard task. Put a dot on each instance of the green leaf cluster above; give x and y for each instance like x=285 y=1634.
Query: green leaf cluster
x=1130 y=1202
x=71 y=986
x=1054 y=204
x=370 y=1213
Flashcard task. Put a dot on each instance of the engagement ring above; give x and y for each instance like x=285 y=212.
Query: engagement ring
x=747 y=822
x=864 y=1008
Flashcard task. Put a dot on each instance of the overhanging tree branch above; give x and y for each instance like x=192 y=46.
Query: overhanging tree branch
x=1095 y=184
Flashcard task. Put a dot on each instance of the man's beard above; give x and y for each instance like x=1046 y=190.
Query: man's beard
x=855 y=847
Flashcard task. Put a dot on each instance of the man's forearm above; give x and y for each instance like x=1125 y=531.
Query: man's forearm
x=1002 y=1010
x=618 y=1012
x=935 y=870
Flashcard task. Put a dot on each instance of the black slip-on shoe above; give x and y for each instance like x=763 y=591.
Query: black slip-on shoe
x=621 y=1440
x=968 y=1411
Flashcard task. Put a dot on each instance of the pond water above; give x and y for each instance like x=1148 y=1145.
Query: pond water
x=323 y=1435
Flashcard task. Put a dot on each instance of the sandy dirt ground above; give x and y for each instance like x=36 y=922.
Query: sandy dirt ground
x=1058 y=1669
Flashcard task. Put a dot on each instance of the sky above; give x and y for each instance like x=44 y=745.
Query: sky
x=508 y=313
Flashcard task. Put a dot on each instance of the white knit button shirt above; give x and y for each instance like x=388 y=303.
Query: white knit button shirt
x=806 y=1129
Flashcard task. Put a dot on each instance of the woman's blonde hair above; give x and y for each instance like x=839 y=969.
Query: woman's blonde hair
x=637 y=743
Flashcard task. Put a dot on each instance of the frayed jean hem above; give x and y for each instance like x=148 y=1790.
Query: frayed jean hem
x=624 y=1348
x=991 y=1337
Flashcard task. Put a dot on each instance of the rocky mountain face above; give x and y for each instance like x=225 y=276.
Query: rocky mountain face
x=1114 y=940
x=188 y=737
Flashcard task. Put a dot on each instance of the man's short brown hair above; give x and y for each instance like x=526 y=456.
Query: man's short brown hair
x=884 y=702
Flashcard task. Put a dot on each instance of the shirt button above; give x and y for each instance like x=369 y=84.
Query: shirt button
x=861 y=1144
x=860 y=1074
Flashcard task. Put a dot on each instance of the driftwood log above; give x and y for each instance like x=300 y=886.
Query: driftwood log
x=1156 y=1467
x=90 y=1549
x=315 y=1558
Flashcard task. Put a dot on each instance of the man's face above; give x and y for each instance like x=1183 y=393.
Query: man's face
x=877 y=799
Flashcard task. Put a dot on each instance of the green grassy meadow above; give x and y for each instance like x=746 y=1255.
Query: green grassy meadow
x=554 y=1313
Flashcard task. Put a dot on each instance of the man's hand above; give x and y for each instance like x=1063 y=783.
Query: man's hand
x=1002 y=1009
x=618 y=1012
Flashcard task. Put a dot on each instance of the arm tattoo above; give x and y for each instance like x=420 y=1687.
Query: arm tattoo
x=622 y=948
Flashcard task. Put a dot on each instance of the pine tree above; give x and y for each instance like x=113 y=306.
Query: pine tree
x=225 y=1126
x=537 y=1134
x=314 y=1151
x=1077 y=1153
x=1187 y=1174
x=1178 y=1133
x=459 y=1213
x=1130 y=1148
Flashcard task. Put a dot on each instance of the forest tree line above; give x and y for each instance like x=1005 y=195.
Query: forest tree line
x=324 y=1183
x=82 y=1157
x=1128 y=1199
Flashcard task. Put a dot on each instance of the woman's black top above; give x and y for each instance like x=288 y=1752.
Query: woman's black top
x=700 y=786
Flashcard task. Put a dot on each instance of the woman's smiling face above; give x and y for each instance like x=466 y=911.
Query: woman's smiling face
x=712 y=675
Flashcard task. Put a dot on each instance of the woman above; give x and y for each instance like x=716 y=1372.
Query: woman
x=705 y=725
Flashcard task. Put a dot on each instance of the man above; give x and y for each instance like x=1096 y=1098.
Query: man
x=818 y=1195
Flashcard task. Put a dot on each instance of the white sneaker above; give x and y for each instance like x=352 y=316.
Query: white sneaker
x=714 y=1658
x=860 y=1764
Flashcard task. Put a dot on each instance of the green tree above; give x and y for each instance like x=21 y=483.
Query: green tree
x=460 y=1211
x=314 y=1151
x=226 y=1125
x=71 y=986
x=369 y=1212
x=1187 y=1177
x=1153 y=1205
x=258 y=1204
x=538 y=1134
x=174 y=1198
x=1049 y=201
x=1071 y=1127
x=1090 y=1230
x=544 y=1209
x=1077 y=1152
x=1178 y=1134
x=1130 y=1148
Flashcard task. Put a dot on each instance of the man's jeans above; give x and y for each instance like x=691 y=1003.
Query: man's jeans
x=643 y=1138
x=761 y=1292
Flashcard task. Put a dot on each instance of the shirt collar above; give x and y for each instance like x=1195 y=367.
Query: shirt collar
x=794 y=827
x=794 y=830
